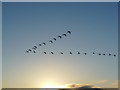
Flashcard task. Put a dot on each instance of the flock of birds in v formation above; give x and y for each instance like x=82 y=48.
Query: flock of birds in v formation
x=55 y=39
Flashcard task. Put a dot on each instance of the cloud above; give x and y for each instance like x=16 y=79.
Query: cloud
x=103 y=81
x=107 y=83
x=113 y=84
x=81 y=86
x=98 y=85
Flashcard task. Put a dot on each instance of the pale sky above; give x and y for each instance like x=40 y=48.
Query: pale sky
x=60 y=0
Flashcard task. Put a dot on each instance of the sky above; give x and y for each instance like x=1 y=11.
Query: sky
x=94 y=28
x=1 y=45
x=60 y=0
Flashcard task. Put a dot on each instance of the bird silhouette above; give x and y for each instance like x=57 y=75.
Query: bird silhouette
x=60 y=36
x=99 y=54
x=29 y=50
x=54 y=39
x=114 y=55
x=69 y=32
x=109 y=54
x=70 y=52
x=45 y=53
x=52 y=53
x=51 y=41
x=40 y=44
x=85 y=53
x=44 y=43
x=61 y=52
x=35 y=46
x=64 y=35
x=93 y=52
x=78 y=52
x=104 y=54
x=34 y=51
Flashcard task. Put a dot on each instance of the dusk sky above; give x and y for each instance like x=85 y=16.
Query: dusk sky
x=1 y=45
x=94 y=28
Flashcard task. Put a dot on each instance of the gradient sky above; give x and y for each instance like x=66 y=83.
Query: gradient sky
x=1 y=45
x=94 y=27
x=60 y=1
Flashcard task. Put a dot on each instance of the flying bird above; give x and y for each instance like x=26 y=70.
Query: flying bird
x=93 y=52
x=78 y=52
x=69 y=32
x=104 y=54
x=114 y=55
x=51 y=41
x=29 y=50
x=54 y=39
x=44 y=43
x=64 y=35
x=60 y=36
x=109 y=54
x=52 y=53
x=70 y=52
x=35 y=46
x=40 y=44
x=85 y=53
x=61 y=52
x=34 y=51
x=45 y=53
x=99 y=54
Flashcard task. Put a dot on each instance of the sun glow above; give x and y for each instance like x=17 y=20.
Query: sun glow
x=53 y=86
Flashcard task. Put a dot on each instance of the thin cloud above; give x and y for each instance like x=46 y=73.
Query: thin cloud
x=114 y=84
x=107 y=83
x=81 y=86
x=103 y=81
